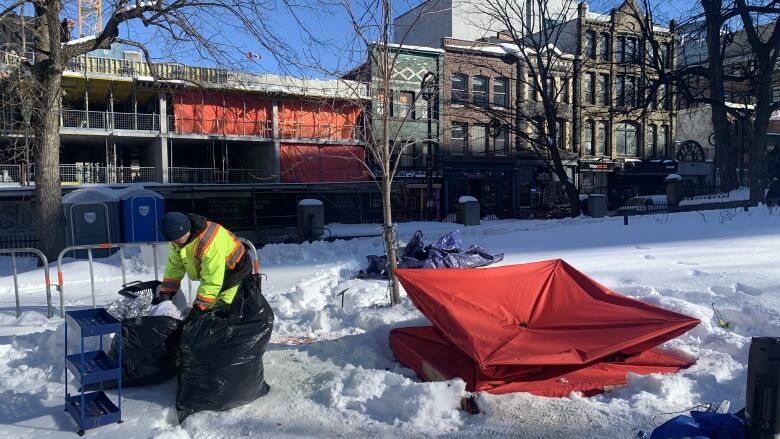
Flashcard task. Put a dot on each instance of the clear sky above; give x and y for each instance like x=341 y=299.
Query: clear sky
x=317 y=39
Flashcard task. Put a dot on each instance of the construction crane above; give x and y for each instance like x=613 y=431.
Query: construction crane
x=90 y=17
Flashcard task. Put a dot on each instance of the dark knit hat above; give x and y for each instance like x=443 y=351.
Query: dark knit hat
x=174 y=225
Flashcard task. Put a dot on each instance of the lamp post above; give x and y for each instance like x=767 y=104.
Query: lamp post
x=494 y=128
x=428 y=88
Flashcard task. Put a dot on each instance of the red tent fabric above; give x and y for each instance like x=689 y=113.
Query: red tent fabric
x=515 y=328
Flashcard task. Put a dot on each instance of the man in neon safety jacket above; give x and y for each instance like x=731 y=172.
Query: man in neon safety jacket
x=207 y=252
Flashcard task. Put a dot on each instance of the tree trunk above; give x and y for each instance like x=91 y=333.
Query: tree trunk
x=725 y=156
x=389 y=236
x=49 y=219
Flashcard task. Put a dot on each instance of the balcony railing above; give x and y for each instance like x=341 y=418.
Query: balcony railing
x=194 y=125
x=108 y=121
x=86 y=173
x=294 y=130
x=250 y=176
x=192 y=175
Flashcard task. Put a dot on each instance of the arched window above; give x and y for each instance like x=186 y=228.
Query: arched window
x=626 y=142
x=460 y=90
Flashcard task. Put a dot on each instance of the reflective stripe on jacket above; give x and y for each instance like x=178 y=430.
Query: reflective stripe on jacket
x=208 y=258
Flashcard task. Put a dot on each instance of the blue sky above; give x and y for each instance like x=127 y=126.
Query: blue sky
x=314 y=37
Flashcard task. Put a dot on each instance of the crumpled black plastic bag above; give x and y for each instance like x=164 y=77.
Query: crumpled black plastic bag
x=150 y=350
x=221 y=353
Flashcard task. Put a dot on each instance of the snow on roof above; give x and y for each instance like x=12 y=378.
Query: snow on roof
x=598 y=17
x=80 y=40
x=467 y=199
x=310 y=202
x=409 y=47
x=673 y=177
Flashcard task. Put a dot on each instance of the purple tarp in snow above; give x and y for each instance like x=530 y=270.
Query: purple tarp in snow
x=445 y=252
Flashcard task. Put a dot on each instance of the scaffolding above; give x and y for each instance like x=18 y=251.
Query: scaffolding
x=90 y=17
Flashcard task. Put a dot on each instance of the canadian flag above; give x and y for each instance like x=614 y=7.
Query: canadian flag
x=252 y=55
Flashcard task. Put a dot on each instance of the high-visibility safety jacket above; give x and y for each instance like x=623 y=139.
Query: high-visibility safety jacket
x=212 y=256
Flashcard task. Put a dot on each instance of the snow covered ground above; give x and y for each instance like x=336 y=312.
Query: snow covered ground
x=332 y=372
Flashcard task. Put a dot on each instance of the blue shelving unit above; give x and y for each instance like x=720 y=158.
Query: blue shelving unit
x=93 y=409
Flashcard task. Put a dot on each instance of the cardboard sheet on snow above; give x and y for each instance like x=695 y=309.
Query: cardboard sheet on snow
x=517 y=327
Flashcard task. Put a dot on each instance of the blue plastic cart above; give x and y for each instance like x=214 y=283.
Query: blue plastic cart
x=93 y=409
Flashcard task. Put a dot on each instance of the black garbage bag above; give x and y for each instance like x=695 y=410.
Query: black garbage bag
x=150 y=350
x=221 y=353
x=150 y=344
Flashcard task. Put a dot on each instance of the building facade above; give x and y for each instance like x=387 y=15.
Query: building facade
x=198 y=125
x=617 y=121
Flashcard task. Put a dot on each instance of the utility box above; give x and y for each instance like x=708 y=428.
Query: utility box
x=311 y=219
x=468 y=211
x=673 y=189
x=142 y=211
x=597 y=205
x=763 y=388
x=93 y=217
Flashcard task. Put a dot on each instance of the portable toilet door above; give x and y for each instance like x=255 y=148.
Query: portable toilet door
x=93 y=218
x=142 y=211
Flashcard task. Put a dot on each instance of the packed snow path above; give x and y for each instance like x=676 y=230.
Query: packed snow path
x=332 y=373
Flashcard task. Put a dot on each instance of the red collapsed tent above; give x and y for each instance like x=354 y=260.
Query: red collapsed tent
x=543 y=328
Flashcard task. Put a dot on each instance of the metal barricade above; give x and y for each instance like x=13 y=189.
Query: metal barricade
x=89 y=248
x=42 y=257
x=255 y=260
x=121 y=246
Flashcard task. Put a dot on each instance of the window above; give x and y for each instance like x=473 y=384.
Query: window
x=500 y=98
x=626 y=140
x=604 y=89
x=380 y=102
x=477 y=139
x=626 y=90
x=652 y=140
x=406 y=104
x=776 y=93
x=663 y=137
x=666 y=55
x=458 y=136
x=533 y=94
x=626 y=49
x=604 y=47
x=549 y=85
x=587 y=88
x=590 y=44
x=587 y=138
x=601 y=139
x=460 y=92
x=664 y=99
x=565 y=90
x=560 y=133
x=501 y=142
x=479 y=91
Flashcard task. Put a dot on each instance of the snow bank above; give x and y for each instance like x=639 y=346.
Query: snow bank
x=391 y=398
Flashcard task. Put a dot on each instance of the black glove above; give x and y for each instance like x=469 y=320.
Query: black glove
x=162 y=297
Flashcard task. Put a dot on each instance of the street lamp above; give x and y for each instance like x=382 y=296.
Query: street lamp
x=494 y=128
x=428 y=89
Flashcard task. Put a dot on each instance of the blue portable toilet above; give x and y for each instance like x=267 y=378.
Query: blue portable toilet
x=142 y=210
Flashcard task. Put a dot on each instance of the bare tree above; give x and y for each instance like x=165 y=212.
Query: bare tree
x=742 y=43
x=383 y=133
x=173 y=24
x=533 y=34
